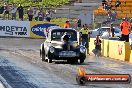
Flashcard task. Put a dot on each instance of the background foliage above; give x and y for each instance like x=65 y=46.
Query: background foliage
x=44 y=3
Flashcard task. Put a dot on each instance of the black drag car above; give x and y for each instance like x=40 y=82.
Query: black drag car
x=62 y=44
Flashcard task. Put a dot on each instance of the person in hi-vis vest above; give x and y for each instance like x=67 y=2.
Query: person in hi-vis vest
x=85 y=38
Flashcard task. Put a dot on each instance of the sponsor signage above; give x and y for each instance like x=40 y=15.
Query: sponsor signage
x=38 y=29
x=15 y=28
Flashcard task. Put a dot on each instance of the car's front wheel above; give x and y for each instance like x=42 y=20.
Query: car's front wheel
x=81 y=61
x=49 y=57
x=40 y=53
x=43 y=54
x=49 y=60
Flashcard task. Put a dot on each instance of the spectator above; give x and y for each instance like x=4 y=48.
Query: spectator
x=108 y=20
x=125 y=30
x=48 y=16
x=112 y=29
x=76 y=24
x=41 y=15
x=20 y=12
x=113 y=15
x=97 y=43
x=36 y=11
x=30 y=13
x=79 y=23
x=110 y=6
x=6 y=11
x=13 y=12
x=84 y=36
x=1 y=9
x=118 y=3
x=67 y=24
x=106 y=7
x=104 y=2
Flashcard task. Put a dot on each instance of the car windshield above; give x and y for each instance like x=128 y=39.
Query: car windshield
x=57 y=34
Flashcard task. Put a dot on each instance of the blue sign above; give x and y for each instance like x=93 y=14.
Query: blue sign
x=39 y=29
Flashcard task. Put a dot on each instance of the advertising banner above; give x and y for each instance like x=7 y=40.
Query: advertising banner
x=38 y=29
x=14 y=28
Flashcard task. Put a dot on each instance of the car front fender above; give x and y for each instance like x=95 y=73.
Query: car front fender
x=42 y=46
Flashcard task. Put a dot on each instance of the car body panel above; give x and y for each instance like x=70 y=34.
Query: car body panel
x=54 y=41
x=103 y=32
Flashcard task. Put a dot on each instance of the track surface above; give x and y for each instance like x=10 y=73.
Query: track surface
x=21 y=67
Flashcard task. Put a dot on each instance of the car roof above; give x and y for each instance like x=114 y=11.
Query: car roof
x=54 y=27
x=59 y=28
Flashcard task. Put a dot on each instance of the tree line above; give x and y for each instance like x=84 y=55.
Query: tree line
x=43 y=3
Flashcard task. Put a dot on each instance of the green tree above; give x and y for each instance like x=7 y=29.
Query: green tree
x=45 y=3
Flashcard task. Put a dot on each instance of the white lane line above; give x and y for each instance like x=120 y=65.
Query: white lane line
x=1 y=85
x=4 y=82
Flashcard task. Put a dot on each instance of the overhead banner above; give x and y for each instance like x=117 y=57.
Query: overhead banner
x=38 y=29
x=14 y=28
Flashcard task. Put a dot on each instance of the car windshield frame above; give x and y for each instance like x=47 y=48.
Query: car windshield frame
x=61 y=32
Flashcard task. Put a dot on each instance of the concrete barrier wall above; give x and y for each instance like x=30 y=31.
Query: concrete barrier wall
x=130 y=57
x=105 y=48
x=91 y=45
x=119 y=50
x=127 y=51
